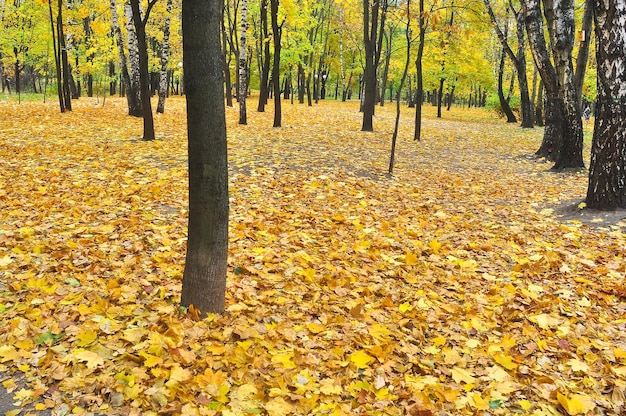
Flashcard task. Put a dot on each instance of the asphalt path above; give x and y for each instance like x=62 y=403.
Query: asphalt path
x=6 y=399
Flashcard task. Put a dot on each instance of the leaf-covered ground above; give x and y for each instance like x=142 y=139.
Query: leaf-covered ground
x=450 y=288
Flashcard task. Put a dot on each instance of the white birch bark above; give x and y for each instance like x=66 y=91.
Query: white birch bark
x=243 y=73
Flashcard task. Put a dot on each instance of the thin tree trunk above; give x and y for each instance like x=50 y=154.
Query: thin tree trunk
x=134 y=108
x=134 y=86
x=583 y=50
x=165 y=57
x=419 y=93
x=57 y=61
x=394 y=138
x=506 y=108
x=140 y=27
x=277 y=34
x=370 y=32
x=243 y=72
x=65 y=67
x=265 y=57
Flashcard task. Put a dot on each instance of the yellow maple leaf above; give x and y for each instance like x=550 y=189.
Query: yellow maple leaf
x=378 y=331
x=578 y=366
x=285 y=358
x=505 y=361
x=86 y=338
x=478 y=402
x=404 y=307
x=315 y=328
x=92 y=359
x=178 y=375
x=278 y=406
x=578 y=404
x=525 y=404
x=439 y=341
x=462 y=375
x=434 y=246
x=150 y=360
x=361 y=358
x=410 y=258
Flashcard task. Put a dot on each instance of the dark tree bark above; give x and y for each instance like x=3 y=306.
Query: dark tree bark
x=144 y=76
x=554 y=133
x=518 y=60
x=539 y=106
x=65 y=65
x=440 y=96
x=504 y=103
x=407 y=33
x=277 y=30
x=419 y=93
x=165 y=58
x=204 y=278
x=265 y=58
x=607 y=171
x=57 y=61
x=372 y=41
x=226 y=56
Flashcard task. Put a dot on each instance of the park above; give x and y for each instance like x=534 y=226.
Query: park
x=468 y=281
x=338 y=208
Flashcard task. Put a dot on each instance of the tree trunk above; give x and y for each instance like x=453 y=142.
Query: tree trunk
x=560 y=17
x=134 y=107
x=518 y=60
x=165 y=58
x=552 y=136
x=65 y=66
x=526 y=106
x=243 y=72
x=583 y=50
x=394 y=137
x=440 y=96
x=277 y=31
x=419 y=93
x=388 y=44
x=204 y=278
x=226 y=64
x=539 y=106
x=506 y=108
x=607 y=171
x=57 y=61
x=134 y=86
x=144 y=80
x=370 y=32
x=265 y=58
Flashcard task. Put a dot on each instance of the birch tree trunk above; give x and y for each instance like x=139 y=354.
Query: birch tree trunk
x=165 y=57
x=560 y=17
x=265 y=58
x=553 y=132
x=133 y=63
x=134 y=109
x=277 y=31
x=243 y=73
x=607 y=171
